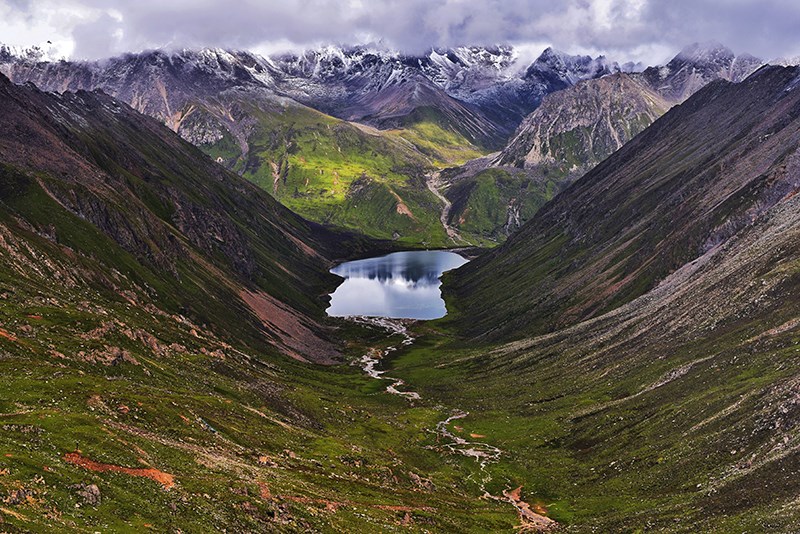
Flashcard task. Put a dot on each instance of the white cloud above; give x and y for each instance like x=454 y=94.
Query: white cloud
x=644 y=30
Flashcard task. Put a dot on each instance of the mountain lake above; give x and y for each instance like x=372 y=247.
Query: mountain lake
x=401 y=285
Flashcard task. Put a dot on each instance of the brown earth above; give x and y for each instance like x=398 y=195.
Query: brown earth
x=75 y=458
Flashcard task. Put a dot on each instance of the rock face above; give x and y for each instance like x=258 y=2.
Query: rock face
x=694 y=67
x=573 y=130
x=89 y=493
x=577 y=128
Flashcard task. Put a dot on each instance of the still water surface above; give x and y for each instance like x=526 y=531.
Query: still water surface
x=398 y=285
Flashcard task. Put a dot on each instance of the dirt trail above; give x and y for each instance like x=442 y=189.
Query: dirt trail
x=434 y=183
x=531 y=520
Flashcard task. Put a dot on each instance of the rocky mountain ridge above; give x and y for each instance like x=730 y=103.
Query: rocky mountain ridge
x=348 y=82
x=576 y=128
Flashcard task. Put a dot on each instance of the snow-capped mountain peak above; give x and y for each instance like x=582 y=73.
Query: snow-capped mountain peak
x=705 y=53
x=571 y=69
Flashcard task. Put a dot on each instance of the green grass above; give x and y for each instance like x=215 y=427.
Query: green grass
x=626 y=465
x=317 y=165
x=481 y=203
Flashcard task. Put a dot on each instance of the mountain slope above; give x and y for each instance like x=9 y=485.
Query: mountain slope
x=157 y=199
x=579 y=126
x=617 y=108
x=377 y=88
x=676 y=412
x=482 y=93
x=667 y=197
x=575 y=129
x=654 y=308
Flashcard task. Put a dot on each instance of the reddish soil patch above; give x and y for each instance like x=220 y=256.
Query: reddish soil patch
x=35 y=317
x=263 y=490
x=75 y=458
x=402 y=208
x=330 y=506
x=5 y=334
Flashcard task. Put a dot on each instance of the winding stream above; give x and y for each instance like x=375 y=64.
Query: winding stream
x=483 y=453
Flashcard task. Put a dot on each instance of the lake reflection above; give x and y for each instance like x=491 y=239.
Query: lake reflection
x=399 y=285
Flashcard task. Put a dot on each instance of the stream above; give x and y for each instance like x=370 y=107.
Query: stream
x=483 y=453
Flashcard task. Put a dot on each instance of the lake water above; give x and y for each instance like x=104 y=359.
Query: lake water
x=399 y=285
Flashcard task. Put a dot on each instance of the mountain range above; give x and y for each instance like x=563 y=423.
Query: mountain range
x=576 y=128
x=625 y=360
x=261 y=117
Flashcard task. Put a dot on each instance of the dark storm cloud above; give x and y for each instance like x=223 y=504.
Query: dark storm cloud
x=622 y=27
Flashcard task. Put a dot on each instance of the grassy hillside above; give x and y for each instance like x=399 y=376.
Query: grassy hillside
x=673 y=413
x=331 y=171
x=667 y=197
x=637 y=365
x=494 y=202
x=211 y=437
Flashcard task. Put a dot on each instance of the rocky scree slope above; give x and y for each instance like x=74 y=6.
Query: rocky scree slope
x=573 y=130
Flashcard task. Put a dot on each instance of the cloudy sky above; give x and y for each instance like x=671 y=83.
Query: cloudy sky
x=639 y=30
